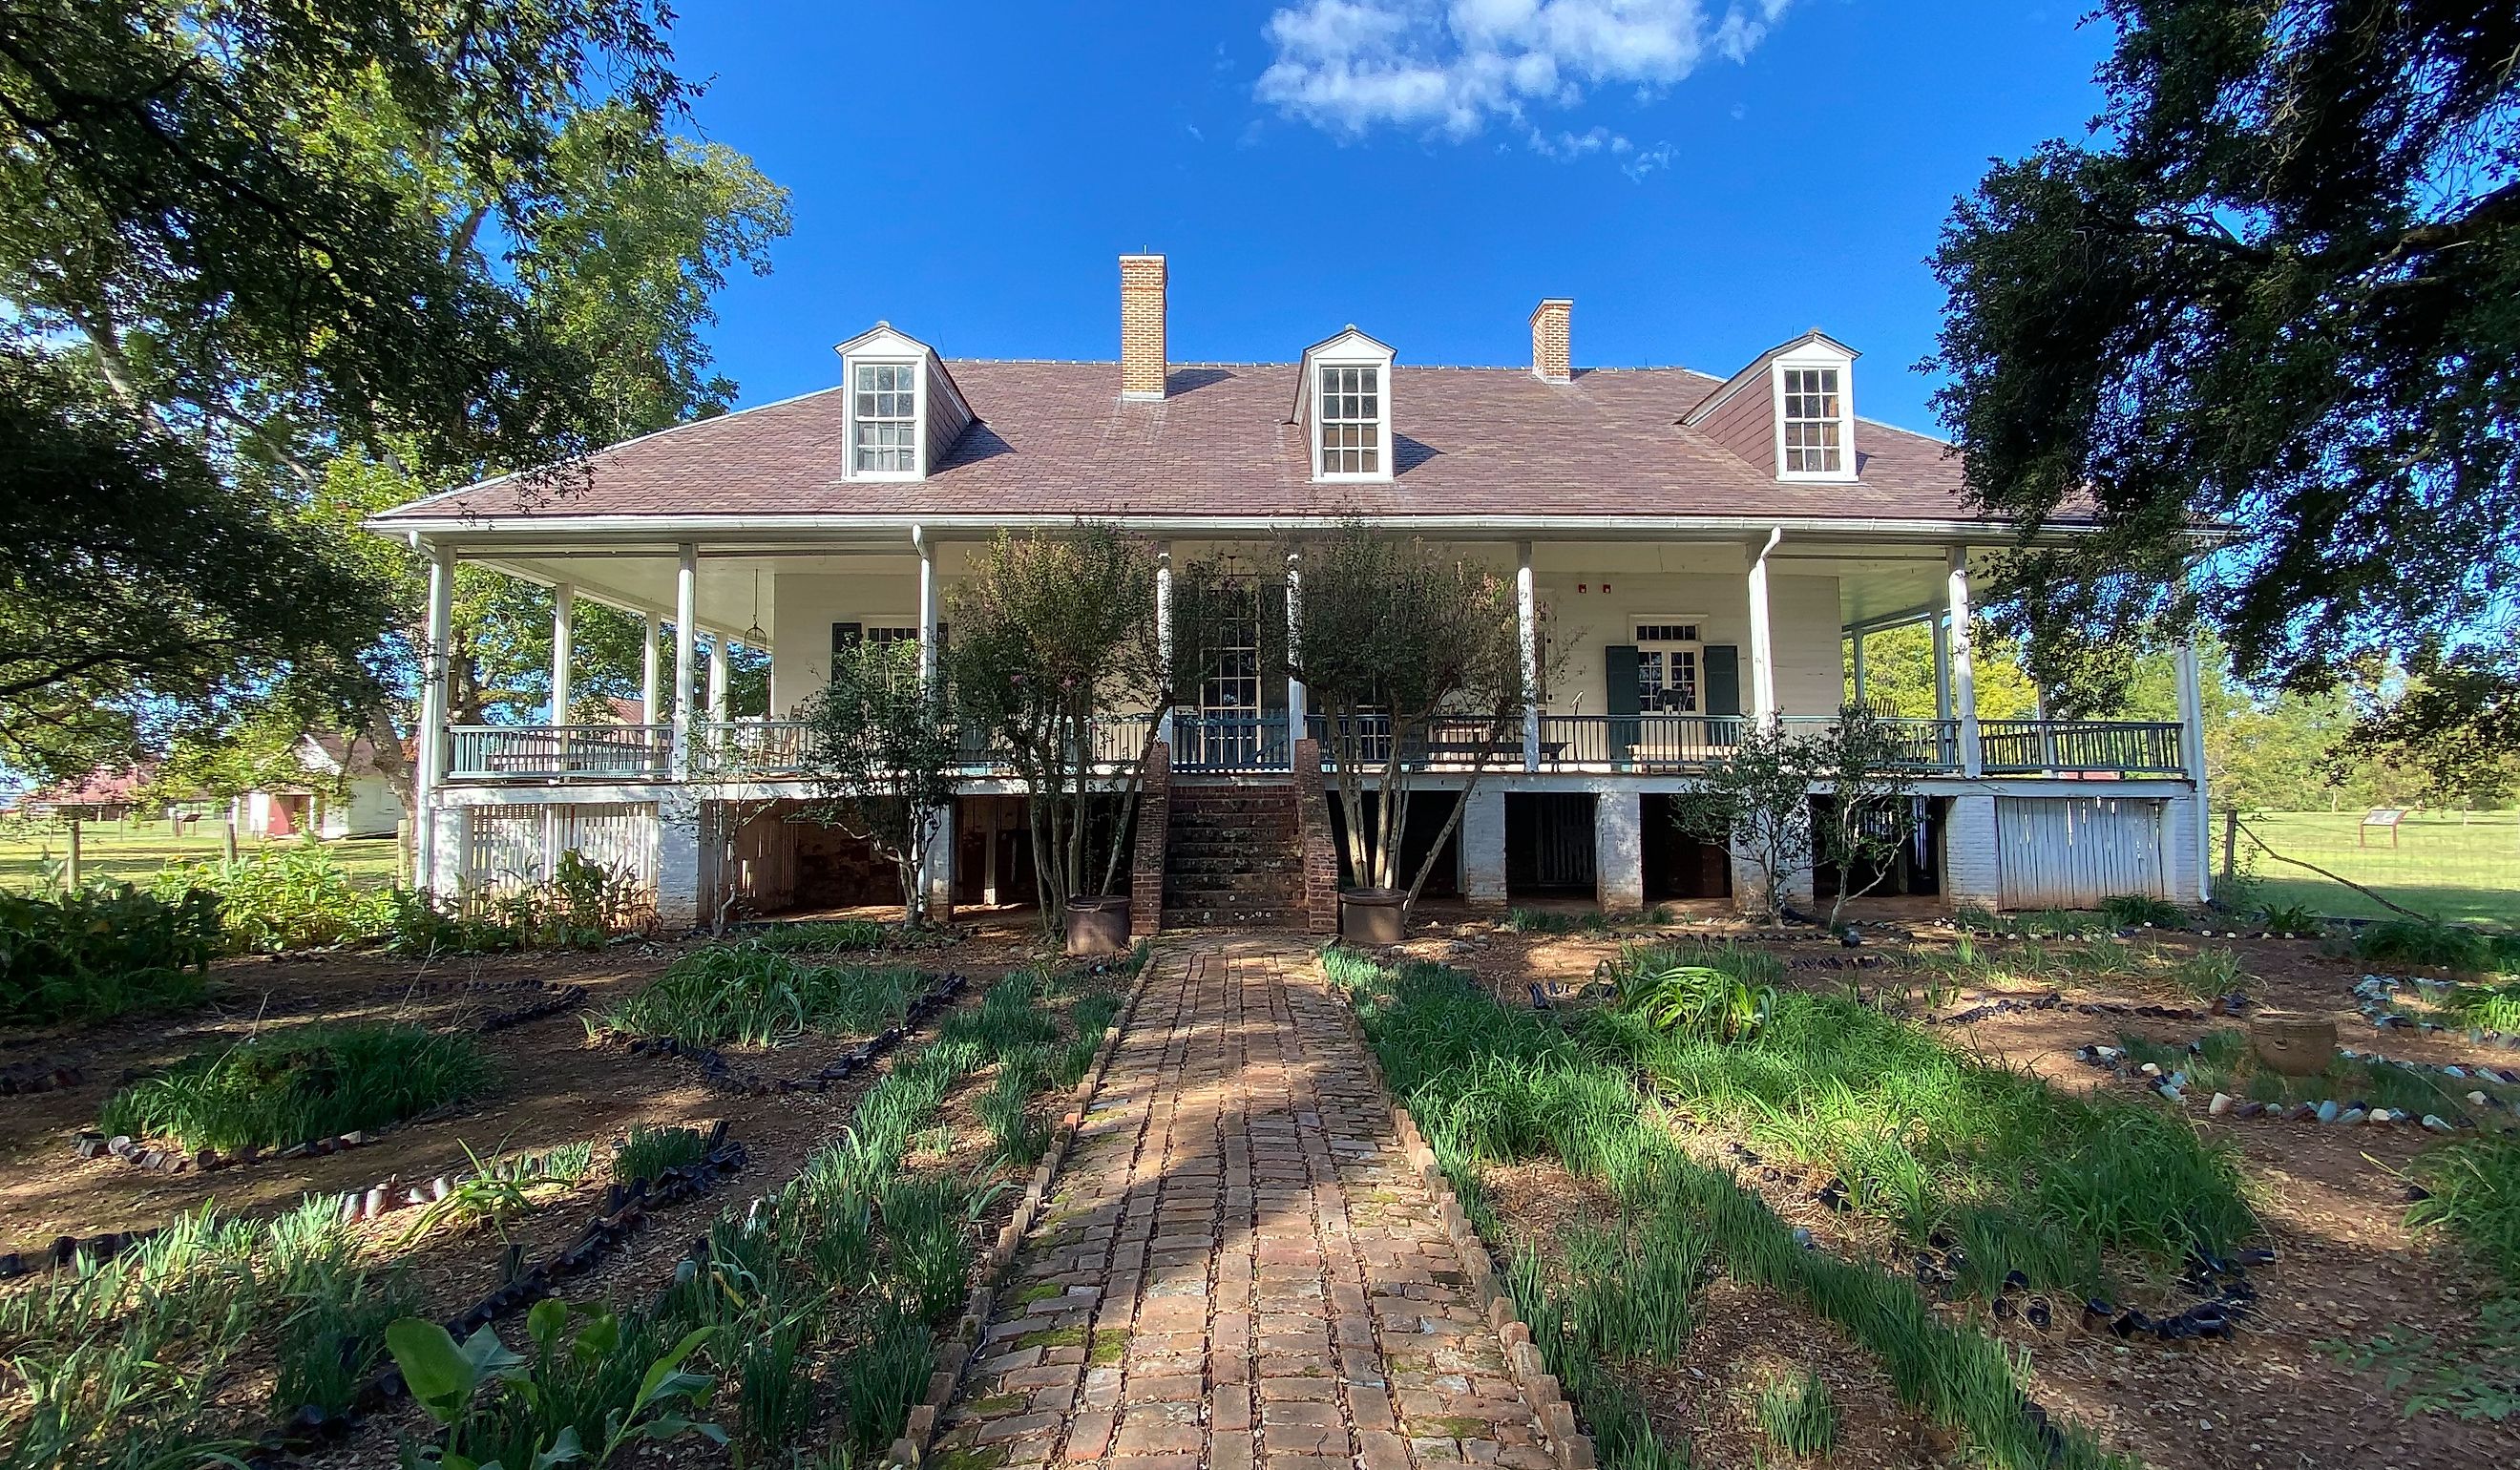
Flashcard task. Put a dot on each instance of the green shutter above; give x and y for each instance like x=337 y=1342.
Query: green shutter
x=1621 y=697
x=1723 y=680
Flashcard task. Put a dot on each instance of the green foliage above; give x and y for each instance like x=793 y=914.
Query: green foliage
x=880 y=1379
x=882 y=757
x=288 y=1087
x=821 y=936
x=2474 y=1186
x=2266 y=292
x=650 y=1150
x=1557 y=922
x=1799 y=1415
x=580 y=906
x=1446 y=1045
x=100 y=953
x=1006 y=1109
x=2475 y=1377
x=517 y=1427
x=1692 y=990
x=2486 y=1008
x=498 y=1190
x=762 y=997
x=297 y=897
x=2411 y=942
x=122 y=1363
x=2142 y=911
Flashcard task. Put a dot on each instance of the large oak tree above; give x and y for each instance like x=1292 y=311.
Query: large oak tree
x=2276 y=295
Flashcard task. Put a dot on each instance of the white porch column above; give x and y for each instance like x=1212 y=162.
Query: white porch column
x=1296 y=701
x=687 y=597
x=1163 y=653
x=718 y=674
x=1763 y=639
x=564 y=636
x=927 y=595
x=2192 y=753
x=432 y=720
x=649 y=711
x=1526 y=617
x=1858 y=639
x=1942 y=667
x=1963 y=671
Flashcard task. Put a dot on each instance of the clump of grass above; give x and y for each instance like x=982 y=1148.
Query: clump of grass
x=1006 y=1109
x=2484 y=1008
x=1694 y=990
x=1799 y=1415
x=2289 y=920
x=2207 y=974
x=880 y=1378
x=498 y=1190
x=288 y=1087
x=2141 y=910
x=650 y=1152
x=2473 y=1187
x=2411 y=942
x=752 y=994
x=1007 y=1017
x=821 y=936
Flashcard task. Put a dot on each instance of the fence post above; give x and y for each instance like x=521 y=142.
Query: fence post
x=2231 y=841
x=73 y=884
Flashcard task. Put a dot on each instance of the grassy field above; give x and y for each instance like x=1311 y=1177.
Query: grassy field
x=2466 y=871
x=114 y=851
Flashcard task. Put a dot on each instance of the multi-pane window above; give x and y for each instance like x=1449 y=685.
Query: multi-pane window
x=1351 y=412
x=887 y=417
x=1667 y=668
x=1811 y=426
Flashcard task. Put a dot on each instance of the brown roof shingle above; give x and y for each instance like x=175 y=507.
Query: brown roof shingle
x=1056 y=438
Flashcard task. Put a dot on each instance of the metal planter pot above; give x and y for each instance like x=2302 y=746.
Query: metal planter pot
x=1097 y=924
x=1373 y=916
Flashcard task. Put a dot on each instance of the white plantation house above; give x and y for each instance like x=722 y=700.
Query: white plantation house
x=1691 y=552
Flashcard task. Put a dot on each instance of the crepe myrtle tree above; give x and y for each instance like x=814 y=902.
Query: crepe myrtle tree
x=882 y=759
x=1053 y=632
x=1398 y=640
x=1756 y=804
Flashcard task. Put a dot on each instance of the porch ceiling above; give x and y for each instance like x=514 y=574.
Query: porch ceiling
x=643 y=581
x=1870 y=587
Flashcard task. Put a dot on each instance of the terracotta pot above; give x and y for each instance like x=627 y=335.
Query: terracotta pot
x=1097 y=924
x=2294 y=1043
x=1373 y=916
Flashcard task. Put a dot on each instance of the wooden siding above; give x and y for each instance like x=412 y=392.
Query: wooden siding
x=2071 y=852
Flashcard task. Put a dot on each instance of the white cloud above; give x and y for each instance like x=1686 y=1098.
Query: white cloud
x=1454 y=66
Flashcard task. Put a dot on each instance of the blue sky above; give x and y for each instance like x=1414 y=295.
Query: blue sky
x=1705 y=177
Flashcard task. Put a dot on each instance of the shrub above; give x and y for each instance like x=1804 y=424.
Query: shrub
x=2410 y=941
x=297 y=897
x=99 y=952
x=2290 y=920
x=1673 y=990
x=580 y=906
x=287 y=1087
x=762 y=998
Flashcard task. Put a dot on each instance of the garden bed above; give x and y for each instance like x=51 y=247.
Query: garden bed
x=2351 y=1293
x=551 y=1088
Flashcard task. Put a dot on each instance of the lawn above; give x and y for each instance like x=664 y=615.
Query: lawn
x=2463 y=870
x=113 y=851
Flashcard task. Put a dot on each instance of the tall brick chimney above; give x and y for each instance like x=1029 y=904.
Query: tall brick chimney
x=1142 y=327
x=1552 y=348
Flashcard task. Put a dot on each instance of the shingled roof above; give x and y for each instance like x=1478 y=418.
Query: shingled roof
x=1054 y=438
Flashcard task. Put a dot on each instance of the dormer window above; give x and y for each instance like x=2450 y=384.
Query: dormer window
x=1343 y=404
x=1351 y=400
x=1813 y=444
x=886 y=435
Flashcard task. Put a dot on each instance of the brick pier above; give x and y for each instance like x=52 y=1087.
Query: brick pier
x=1237 y=1267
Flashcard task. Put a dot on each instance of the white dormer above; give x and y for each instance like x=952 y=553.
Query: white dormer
x=1792 y=408
x=1343 y=401
x=904 y=410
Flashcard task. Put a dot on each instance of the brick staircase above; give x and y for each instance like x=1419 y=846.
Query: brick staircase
x=1233 y=857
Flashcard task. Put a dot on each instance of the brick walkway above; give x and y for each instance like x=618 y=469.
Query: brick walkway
x=1236 y=1269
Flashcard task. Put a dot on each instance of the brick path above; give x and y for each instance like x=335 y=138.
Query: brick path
x=1236 y=1269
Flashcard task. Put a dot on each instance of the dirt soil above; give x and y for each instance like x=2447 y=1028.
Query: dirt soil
x=2332 y=1203
x=552 y=1084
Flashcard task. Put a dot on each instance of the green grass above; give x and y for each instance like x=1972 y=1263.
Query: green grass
x=1799 y=1415
x=650 y=1152
x=1488 y=1083
x=2458 y=872
x=135 y=853
x=289 y=1087
x=761 y=997
x=2224 y=1064
x=2475 y=1197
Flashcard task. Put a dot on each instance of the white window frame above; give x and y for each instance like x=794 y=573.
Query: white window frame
x=1380 y=368
x=1801 y=362
x=1695 y=648
x=917 y=469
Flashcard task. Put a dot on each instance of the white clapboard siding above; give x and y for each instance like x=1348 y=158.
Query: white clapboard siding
x=508 y=849
x=2071 y=852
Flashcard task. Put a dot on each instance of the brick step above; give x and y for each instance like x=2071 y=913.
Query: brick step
x=1211 y=840
x=1254 y=804
x=1233 y=822
x=1228 y=893
x=1234 y=858
x=1233 y=918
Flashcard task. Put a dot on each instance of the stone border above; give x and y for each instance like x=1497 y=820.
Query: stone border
x=955 y=1353
x=1568 y=1443
x=717 y=1072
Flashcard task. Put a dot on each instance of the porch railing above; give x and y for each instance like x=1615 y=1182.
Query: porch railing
x=1448 y=743
x=749 y=748
x=2114 y=748
x=1206 y=741
x=548 y=753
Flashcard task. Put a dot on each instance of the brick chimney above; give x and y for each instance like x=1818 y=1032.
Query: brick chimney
x=1553 y=349
x=1142 y=327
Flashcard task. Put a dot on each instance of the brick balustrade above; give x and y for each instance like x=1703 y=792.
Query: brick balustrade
x=1321 y=854
x=1147 y=860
